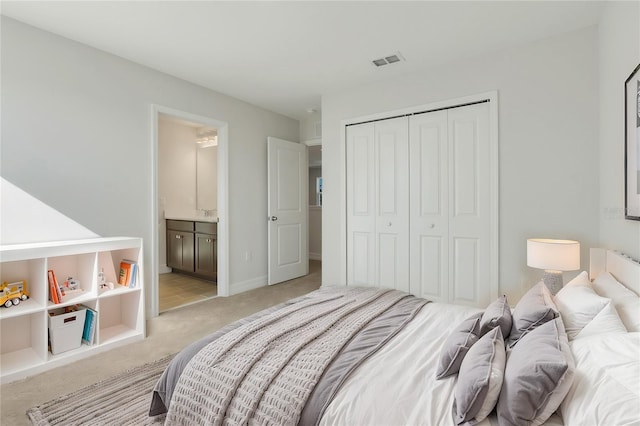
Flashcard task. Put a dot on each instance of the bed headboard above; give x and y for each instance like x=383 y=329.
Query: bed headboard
x=624 y=268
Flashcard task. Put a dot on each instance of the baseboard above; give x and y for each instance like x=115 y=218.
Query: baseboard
x=164 y=269
x=315 y=256
x=251 y=284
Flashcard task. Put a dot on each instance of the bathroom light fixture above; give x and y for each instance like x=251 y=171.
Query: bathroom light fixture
x=554 y=256
x=207 y=139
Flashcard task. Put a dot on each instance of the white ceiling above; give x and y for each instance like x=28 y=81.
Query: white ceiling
x=283 y=55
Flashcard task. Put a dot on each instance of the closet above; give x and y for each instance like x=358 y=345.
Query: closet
x=419 y=205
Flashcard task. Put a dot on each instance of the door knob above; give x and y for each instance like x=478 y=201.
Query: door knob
x=273 y=218
x=433 y=225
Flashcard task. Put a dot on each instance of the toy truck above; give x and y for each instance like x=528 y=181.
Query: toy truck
x=13 y=293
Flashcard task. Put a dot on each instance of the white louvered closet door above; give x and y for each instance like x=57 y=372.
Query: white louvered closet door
x=378 y=204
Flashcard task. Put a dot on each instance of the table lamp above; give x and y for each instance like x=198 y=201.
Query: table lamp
x=554 y=256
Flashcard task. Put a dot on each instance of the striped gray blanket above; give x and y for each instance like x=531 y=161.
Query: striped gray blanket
x=283 y=366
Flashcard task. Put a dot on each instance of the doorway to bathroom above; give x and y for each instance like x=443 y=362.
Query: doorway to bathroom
x=190 y=199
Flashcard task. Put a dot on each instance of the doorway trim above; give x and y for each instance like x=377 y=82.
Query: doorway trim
x=223 y=200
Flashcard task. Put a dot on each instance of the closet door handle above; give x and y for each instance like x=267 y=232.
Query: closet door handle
x=433 y=225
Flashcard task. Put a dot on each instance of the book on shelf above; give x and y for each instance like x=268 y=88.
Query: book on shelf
x=134 y=275
x=89 y=330
x=128 y=273
x=54 y=291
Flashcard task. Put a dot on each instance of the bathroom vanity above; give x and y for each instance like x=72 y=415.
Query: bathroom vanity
x=192 y=247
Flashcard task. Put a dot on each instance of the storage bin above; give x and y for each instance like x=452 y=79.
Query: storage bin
x=65 y=330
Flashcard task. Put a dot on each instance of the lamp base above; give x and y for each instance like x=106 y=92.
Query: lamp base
x=553 y=281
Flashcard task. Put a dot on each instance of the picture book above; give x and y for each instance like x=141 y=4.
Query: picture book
x=89 y=330
x=54 y=292
x=128 y=273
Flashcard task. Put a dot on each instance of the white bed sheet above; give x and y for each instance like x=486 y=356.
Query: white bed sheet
x=408 y=393
x=607 y=372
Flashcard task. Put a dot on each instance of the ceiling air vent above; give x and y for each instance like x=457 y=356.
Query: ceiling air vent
x=388 y=60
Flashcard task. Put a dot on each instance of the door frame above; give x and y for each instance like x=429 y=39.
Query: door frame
x=223 y=200
x=492 y=97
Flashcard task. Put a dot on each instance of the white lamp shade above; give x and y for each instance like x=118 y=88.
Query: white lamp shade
x=553 y=255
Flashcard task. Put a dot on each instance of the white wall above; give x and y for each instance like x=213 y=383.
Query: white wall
x=76 y=134
x=315 y=232
x=548 y=145
x=619 y=54
x=308 y=126
x=25 y=219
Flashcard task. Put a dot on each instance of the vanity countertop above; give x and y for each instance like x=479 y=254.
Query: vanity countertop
x=199 y=218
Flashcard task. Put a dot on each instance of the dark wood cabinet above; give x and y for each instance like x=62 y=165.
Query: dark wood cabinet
x=206 y=255
x=192 y=248
x=180 y=250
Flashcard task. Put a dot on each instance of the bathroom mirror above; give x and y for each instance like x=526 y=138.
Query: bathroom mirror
x=206 y=177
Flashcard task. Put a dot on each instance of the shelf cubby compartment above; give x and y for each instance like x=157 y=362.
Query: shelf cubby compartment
x=83 y=347
x=23 y=345
x=109 y=263
x=120 y=316
x=33 y=272
x=81 y=267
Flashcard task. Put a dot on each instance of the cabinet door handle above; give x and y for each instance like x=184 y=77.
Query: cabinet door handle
x=178 y=236
x=208 y=240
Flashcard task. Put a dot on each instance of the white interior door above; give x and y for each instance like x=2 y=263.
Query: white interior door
x=429 y=206
x=470 y=206
x=378 y=204
x=361 y=208
x=392 y=203
x=288 y=187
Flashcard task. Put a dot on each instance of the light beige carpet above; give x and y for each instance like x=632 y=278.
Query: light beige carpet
x=119 y=400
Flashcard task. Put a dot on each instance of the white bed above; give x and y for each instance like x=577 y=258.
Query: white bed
x=396 y=384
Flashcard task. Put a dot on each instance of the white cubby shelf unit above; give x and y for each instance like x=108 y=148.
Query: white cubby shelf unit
x=23 y=327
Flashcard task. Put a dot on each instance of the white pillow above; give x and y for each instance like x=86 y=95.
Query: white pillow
x=605 y=389
x=626 y=302
x=578 y=304
x=606 y=322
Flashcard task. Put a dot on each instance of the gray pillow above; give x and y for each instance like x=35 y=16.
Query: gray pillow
x=456 y=346
x=538 y=375
x=497 y=314
x=534 y=309
x=480 y=378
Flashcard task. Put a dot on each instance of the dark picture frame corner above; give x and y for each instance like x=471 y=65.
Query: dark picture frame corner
x=632 y=146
